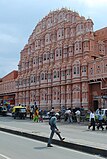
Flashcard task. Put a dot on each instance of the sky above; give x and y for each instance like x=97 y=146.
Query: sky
x=18 y=18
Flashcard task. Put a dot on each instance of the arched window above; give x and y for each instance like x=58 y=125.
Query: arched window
x=49 y=75
x=78 y=69
x=44 y=57
x=84 y=69
x=31 y=79
x=55 y=75
x=77 y=46
x=68 y=72
x=62 y=73
x=56 y=52
x=42 y=76
x=40 y=59
x=51 y=56
x=74 y=70
x=91 y=71
x=45 y=76
x=34 y=79
x=58 y=74
x=34 y=61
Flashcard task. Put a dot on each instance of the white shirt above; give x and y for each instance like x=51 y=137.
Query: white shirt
x=68 y=111
x=92 y=115
x=77 y=112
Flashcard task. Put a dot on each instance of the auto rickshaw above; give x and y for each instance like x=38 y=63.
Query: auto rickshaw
x=19 y=111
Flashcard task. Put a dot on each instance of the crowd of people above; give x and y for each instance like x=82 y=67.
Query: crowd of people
x=69 y=115
x=96 y=121
x=99 y=122
x=36 y=114
x=72 y=115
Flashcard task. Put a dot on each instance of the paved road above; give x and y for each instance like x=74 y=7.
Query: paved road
x=74 y=133
x=15 y=147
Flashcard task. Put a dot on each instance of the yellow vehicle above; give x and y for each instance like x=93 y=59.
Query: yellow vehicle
x=19 y=111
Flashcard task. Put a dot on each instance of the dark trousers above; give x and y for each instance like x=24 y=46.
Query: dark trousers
x=92 y=124
x=31 y=115
x=53 y=130
x=100 y=124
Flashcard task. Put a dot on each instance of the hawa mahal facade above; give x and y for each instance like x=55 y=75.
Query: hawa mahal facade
x=64 y=64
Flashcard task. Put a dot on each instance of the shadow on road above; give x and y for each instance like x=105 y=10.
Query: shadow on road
x=40 y=148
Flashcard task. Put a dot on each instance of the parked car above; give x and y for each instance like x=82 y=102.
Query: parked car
x=19 y=111
x=103 y=112
x=3 y=110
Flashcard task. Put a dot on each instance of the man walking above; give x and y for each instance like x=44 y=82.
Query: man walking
x=78 y=115
x=54 y=129
x=100 y=120
x=92 y=120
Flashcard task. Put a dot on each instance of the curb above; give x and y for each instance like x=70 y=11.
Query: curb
x=78 y=147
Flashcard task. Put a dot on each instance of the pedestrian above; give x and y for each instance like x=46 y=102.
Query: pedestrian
x=68 y=115
x=54 y=129
x=41 y=115
x=82 y=115
x=92 y=120
x=100 y=120
x=36 y=115
x=78 y=115
x=31 y=112
x=52 y=111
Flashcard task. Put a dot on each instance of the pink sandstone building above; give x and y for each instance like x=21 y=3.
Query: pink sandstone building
x=8 y=88
x=63 y=64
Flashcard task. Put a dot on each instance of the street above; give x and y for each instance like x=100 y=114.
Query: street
x=15 y=147
x=75 y=133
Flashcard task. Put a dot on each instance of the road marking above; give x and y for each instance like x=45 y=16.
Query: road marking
x=79 y=152
x=4 y=156
x=63 y=148
x=23 y=137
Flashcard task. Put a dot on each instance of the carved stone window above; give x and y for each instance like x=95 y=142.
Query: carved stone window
x=63 y=73
x=78 y=69
x=51 y=56
x=48 y=56
x=42 y=76
x=56 y=52
x=40 y=59
x=74 y=70
x=68 y=72
x=91 y=71
x=84 y=69
x=55 y=75
x=34 y=61
x=44 y=57
x=49 y=75
x=98 y=69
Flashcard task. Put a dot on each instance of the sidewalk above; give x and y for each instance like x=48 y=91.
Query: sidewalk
x=77 y=136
